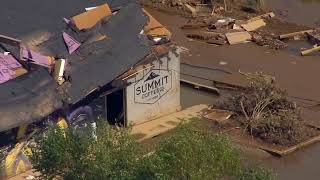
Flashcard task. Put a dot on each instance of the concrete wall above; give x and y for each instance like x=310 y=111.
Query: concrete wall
x=155 y=90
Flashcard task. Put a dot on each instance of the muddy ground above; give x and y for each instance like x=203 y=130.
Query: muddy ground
x=297 y=74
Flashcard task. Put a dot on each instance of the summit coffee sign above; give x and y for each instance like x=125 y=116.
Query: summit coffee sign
x=153 y=86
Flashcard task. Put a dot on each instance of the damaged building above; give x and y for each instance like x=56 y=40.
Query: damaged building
x=77 y=60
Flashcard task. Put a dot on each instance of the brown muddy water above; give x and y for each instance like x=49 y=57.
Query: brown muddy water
x=304 y=12
x=299 y=75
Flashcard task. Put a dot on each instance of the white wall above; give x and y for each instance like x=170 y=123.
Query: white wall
x=155 y=91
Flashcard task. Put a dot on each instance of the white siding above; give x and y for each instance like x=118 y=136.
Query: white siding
x=149 y=99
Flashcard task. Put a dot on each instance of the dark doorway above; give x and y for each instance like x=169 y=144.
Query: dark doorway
x=115 y=111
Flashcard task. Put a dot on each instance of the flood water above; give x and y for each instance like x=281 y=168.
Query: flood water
x=305 y=12
x=298 y=75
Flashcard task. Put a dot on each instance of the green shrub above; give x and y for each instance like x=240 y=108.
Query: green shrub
x=63 y=153
x=256 y=173
x=192 y=154
x=112 y=153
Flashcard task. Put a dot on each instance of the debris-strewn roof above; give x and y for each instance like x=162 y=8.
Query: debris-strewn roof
x=105 y=49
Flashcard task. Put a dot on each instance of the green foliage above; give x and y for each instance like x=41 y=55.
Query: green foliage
x=193 y=154
x=256 y=173
x=64 y=153
x=111 y=153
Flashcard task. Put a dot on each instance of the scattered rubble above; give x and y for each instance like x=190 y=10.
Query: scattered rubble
x=268 y=41
x=211 y=38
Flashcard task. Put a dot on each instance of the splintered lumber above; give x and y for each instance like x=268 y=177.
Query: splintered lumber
x=290 y=35
x=308 y=51
x=238 y=37
x=253 y=25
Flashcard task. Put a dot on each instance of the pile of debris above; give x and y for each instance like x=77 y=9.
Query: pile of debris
x=266 y=112
x=268 y=41
x=186 y=7
x=312 y=35
x=222 y=30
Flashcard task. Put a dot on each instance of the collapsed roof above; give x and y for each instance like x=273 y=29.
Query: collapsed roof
x=105 y=50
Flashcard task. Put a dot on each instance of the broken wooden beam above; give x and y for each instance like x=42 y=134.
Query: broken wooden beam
x=290 y=35
x=309 y=51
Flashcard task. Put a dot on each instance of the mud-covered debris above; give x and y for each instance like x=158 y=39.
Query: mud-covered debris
x=309 y=51
x=314 y=37
x=293 y=34
x=253 y=25
x=266 y=112
x=194 y=26
x=222 y=23
x=238 y=37
x=268 y=41
x=211 y=38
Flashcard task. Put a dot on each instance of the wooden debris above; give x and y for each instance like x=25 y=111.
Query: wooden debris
x=267 y=15
x=154 y=28
x=90 y=18
x=253 y=25
x=268 y=42
x=309 y=51
x=218 y=41
x=238 y=37
x=201 y=36
x=236 y=27
x=59 y=71
x=211 y=38
x=218 y=115
x=191 y=9
x=291 y=35
x=314 y=37
x=194 y=26
x=222 y=23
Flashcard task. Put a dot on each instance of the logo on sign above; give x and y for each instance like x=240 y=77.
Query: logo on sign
x=153 y=86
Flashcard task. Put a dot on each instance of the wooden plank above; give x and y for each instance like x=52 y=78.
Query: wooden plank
x=238 y=37
x=253 y=25
x=198 y=86
x=290 y=35
x=309 y=51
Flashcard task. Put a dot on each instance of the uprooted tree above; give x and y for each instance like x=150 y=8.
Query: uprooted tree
x=109 y=153
x=266 y=111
